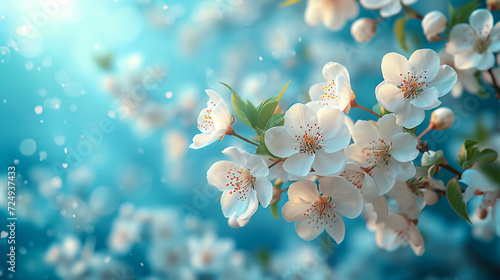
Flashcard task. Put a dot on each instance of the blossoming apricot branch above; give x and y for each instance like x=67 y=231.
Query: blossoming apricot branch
x=311 y=143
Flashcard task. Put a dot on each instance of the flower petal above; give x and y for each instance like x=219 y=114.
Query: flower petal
x=240 y=156
x=482 y=21
x=264 y=190
x=217 y=174
x=330 y=120
x=314 y=12
x=384 y=179
x=364 y=132
x=404 y=147
x=389 y=96
x=329 y=163
x=427 y=99
x=280 y=143
x=345 y=196
x=410 y=116
x=305 y=190
x=495 y=38
x=298 y=117
x=462 y=38
x=394 y=66
x=445 y=80
x=332 y=69
x=299 y=164
x=387 y=127
x=231 y=204
x=252 y=206
x=294 y=210
x=338 y=143
x=201 y=140
x=336 y=227
x=309 y=230
x=425 y=60
x=316 y=91
x=391 y=9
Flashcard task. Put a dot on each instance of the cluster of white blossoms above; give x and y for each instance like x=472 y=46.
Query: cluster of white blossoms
x=471 y=45
x=335 y=170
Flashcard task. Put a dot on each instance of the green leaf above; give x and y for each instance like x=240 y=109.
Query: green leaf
x=251 y=114
x=461 y=13
x=275 y=120
x=266 y=113
x=468 y=151
x=492 y=171
x=239 y=106
x=485 y=156
x=399 y=31
x=455 y=198
x=282 y=91
x=412 y=131
x=274 y=210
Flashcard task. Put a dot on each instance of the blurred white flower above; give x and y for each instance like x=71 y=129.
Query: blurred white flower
x=473 y=44
x=433 y=24
x=336 y=92
x=209 y=254
x=413 y=86
x=315 y=211
x=480 y=185
x=398 y=231
x=363 y=29
x=333 y=13
x=310 y=140
x=213 y=121
x=243 y=184
x=384 y=151
x=388 y=8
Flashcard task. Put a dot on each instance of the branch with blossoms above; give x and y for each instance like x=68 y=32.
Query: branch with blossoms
x=331 y=168
x=472 y=38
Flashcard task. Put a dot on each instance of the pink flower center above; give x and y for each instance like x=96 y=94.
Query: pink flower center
x=321 y=211
x=377 y=153
x=310 y=141
x=241 y=181
x=412 y=85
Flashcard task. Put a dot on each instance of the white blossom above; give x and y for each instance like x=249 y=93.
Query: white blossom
x=333 y=13
x=213 y=121
x=384 y=151
x=315 y=211
x=243 y=184
x=413 y=86
x=310 y=139
x=472 y=45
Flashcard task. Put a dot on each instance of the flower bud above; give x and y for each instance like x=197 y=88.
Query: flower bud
x=430 y=197
x=433 y=24
x=442 y=118
x=363 y=29
x=431 y=158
